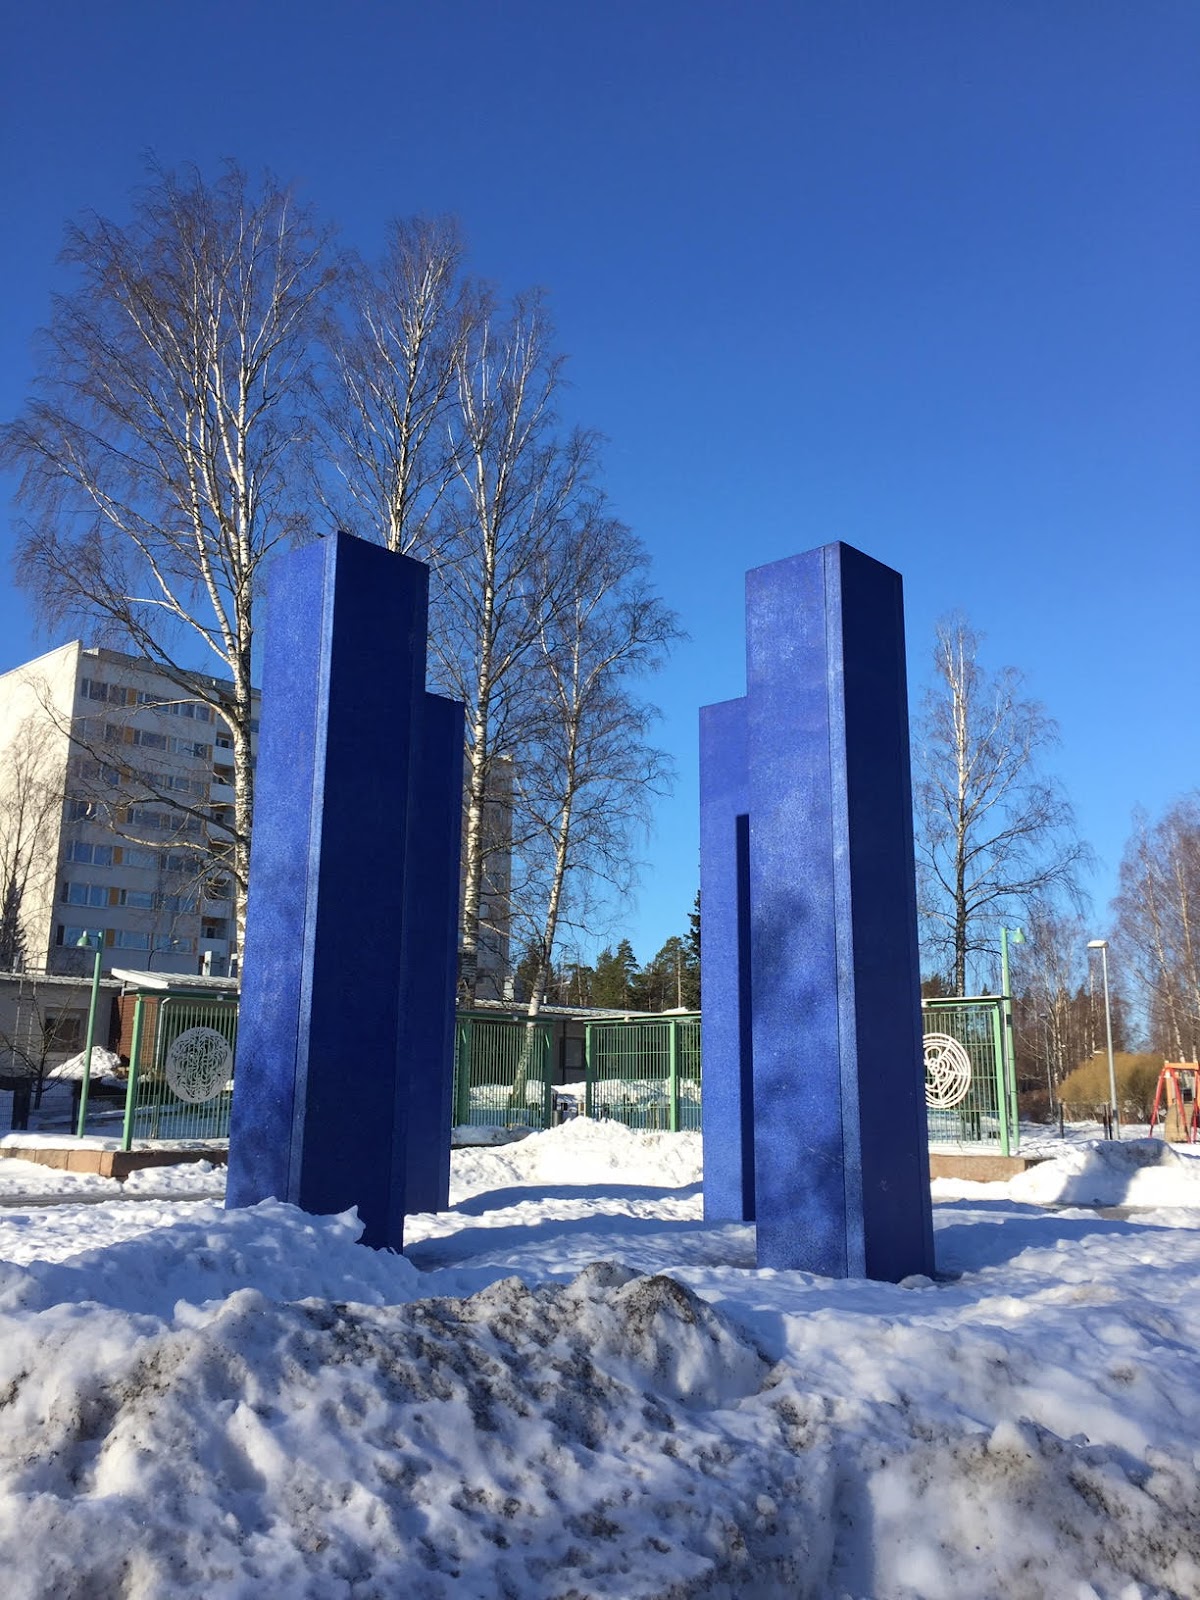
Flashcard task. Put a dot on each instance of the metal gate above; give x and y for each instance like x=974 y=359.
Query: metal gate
x=645 y=1072
x=180 y=1069
x=502 y=1072
x=970 y=1096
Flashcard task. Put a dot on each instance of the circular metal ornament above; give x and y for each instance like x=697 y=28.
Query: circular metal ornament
x=947 y=1071
x=198 y=1064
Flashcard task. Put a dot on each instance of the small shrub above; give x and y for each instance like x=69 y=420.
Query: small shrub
x=1085 y=1090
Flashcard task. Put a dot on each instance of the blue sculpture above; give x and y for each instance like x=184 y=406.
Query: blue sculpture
x=344 y=1057
x=814 y=1107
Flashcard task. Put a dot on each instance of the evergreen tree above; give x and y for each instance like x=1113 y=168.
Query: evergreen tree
x=608 y=981
x=691 y=992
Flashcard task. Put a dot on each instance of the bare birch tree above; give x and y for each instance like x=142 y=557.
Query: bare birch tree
x=521 y=486
x=160 y=456
x=394 y=344
x=994 y=835
x=30 y=807
x=586 y=789
x=1158 y=923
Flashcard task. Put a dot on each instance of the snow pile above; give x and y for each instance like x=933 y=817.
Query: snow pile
x=587 y=1392
x=185 y=1178
x=1110 y=1172
x=104 y=1063
x=583 y=1151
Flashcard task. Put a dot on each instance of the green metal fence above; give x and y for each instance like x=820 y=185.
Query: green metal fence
x=644 y=1072
x=970 y=1097
x=180 y=1069
x=502 y=1072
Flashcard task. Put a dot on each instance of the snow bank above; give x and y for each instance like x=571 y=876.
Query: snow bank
x=1111 y=1172
x=250 y=1403
x=582 y=1151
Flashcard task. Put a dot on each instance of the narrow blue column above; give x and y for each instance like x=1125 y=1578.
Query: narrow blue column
x=336 y=1057
x=817 y=757
x=841 y=1157
x=727 y=1097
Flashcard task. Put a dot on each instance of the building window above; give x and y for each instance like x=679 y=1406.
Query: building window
x=141 y=899
x=130 y=939
x=84 y=894
x=96 y=855
x=63 y=1035
x=71 y=936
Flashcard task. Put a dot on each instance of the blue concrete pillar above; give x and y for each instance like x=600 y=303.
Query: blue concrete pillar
x=343 y=1058
x=728 y=1092
x=841 y=1167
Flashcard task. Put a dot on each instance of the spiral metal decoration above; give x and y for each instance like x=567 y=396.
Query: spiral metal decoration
x=947 y=1071
x=198 y=1064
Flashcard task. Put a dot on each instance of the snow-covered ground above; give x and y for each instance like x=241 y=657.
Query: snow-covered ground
x=570 y=1386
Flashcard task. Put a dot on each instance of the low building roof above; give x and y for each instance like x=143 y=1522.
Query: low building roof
x=174 y=982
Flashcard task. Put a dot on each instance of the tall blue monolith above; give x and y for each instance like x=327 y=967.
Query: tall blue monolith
x=813 y=1059
x=344 y=1056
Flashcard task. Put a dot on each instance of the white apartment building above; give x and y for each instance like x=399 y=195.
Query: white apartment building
x=142 y=780
x=142 y=776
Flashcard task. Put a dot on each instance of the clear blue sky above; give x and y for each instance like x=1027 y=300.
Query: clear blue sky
x=923 y=277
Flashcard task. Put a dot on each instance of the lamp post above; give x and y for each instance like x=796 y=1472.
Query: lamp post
x=1102 y=946
x=1010 y=1056
x=84 y=942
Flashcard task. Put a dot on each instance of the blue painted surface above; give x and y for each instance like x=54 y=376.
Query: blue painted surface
x=841 y=1176
x=727 y=1098
x=430 y=954
x=893 y=1133
x=321 y=1114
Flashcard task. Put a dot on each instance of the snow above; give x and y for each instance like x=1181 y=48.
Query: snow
x=104 y=1064
x=570 y=1385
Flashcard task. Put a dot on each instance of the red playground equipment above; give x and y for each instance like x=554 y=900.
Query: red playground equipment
x=1177 y=1094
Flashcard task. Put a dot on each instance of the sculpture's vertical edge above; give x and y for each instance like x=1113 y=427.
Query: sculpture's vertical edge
x=727 y=1096
x=428 y=969
x=798 y=1081
x=895 y=1201
x=332 y=826
x=842 y=822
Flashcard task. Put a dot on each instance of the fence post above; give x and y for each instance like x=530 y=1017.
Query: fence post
x=673 y=1074
x=1014 y=1115
x=462 y=1074
x=1002 y=1076
x=547 y=1089
x=135 y=1051
x=588 y=1073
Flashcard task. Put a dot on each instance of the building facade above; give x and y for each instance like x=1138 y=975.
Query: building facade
x=141 y=778
x=133 y=782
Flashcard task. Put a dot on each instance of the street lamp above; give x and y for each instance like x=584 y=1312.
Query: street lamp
x=1018 y=937
x=1102 y=946
x=84 y=943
